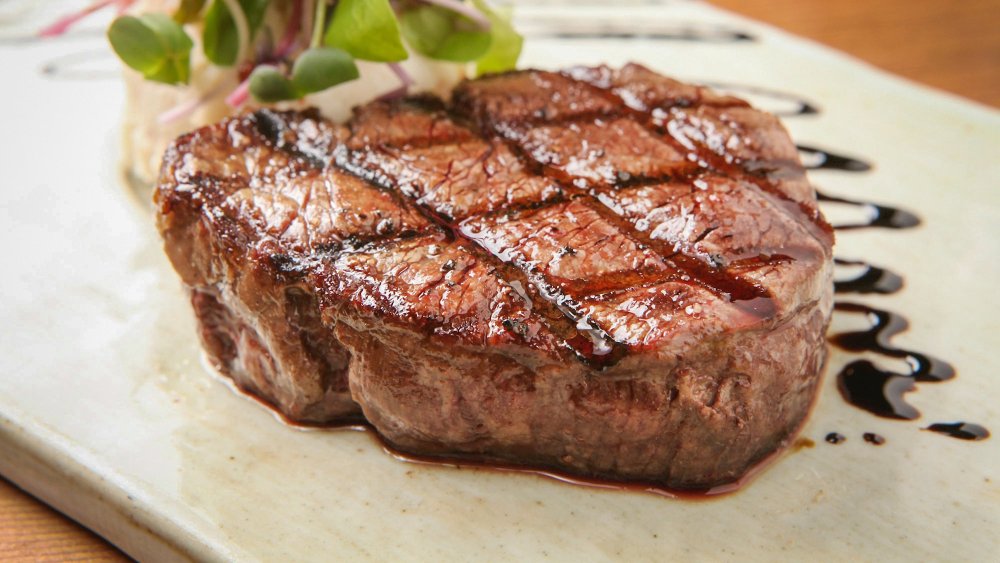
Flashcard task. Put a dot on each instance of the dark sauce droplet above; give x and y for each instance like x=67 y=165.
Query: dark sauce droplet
x=835 y=438
x=872 y=279
x=818 y=159
x=960 y=430
x=885 y=325
x=609 y=30
x=873 y=438
x=877 y=391
x=779 y=103
x=808 y=109
x=882 y=216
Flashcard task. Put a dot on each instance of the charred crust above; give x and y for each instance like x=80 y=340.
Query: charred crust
x=519 y=328
x=286 y=266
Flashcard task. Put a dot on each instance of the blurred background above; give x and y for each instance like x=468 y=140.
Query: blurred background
x=953 y=45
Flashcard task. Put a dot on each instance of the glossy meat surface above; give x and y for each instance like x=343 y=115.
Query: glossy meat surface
x=594 y=270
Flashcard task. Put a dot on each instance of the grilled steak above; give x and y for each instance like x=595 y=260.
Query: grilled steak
x=600 y=271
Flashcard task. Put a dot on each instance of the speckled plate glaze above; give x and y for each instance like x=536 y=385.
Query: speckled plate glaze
x=107 y=412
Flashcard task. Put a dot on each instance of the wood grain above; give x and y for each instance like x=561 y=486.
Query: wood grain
x=953 y=45
x=31 y=531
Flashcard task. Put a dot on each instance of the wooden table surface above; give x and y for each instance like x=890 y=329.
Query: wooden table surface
x=953 y=45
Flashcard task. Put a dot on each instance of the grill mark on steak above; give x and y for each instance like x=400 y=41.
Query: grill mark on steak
x=274 y=129
x=737 y=168
x=415 y=122
x=457 y=180
x=687 y=269
x=694 y=270
x=680 y=267
x=620 y=107
x=556 y=310
x=570 y=323
x=690 y=270
x=559 y=312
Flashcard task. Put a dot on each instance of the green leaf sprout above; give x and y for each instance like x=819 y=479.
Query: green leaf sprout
x=314 y=71
x=188 y=11
x=506 y=45
x=154 y=45
x=269 y=85
x=323 y=67
x=222 y=33
x=367 y=29
x=443 y=34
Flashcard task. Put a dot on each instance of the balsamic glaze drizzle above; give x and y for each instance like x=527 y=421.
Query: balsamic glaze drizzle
x=695 y=32
x=835 y=438
x=783 y=104
x=960 y=430
x=885 y=325
x=877 y=391
x=882 y=216
x=873 y=438
x=819 y=159
x=863 y=384
x=872 y=280
x=680 y=34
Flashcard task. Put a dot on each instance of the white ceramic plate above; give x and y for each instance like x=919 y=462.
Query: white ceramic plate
x=107 y=413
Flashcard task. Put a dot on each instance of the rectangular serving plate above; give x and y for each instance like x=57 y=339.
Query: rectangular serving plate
x=107 y=413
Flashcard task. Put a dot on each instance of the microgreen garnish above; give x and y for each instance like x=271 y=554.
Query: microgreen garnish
x=318 y=69
x=226 y=33
x=460 y=7
x=367 y=29
x=319 y=23
x=188 y=11
x=154 y=45
x=444 y=34
x=268 y=84
x=315 y=70
x=313 y=54
x=505 y=47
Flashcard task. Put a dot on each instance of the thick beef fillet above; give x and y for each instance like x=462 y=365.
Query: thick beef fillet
x=602 y=271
